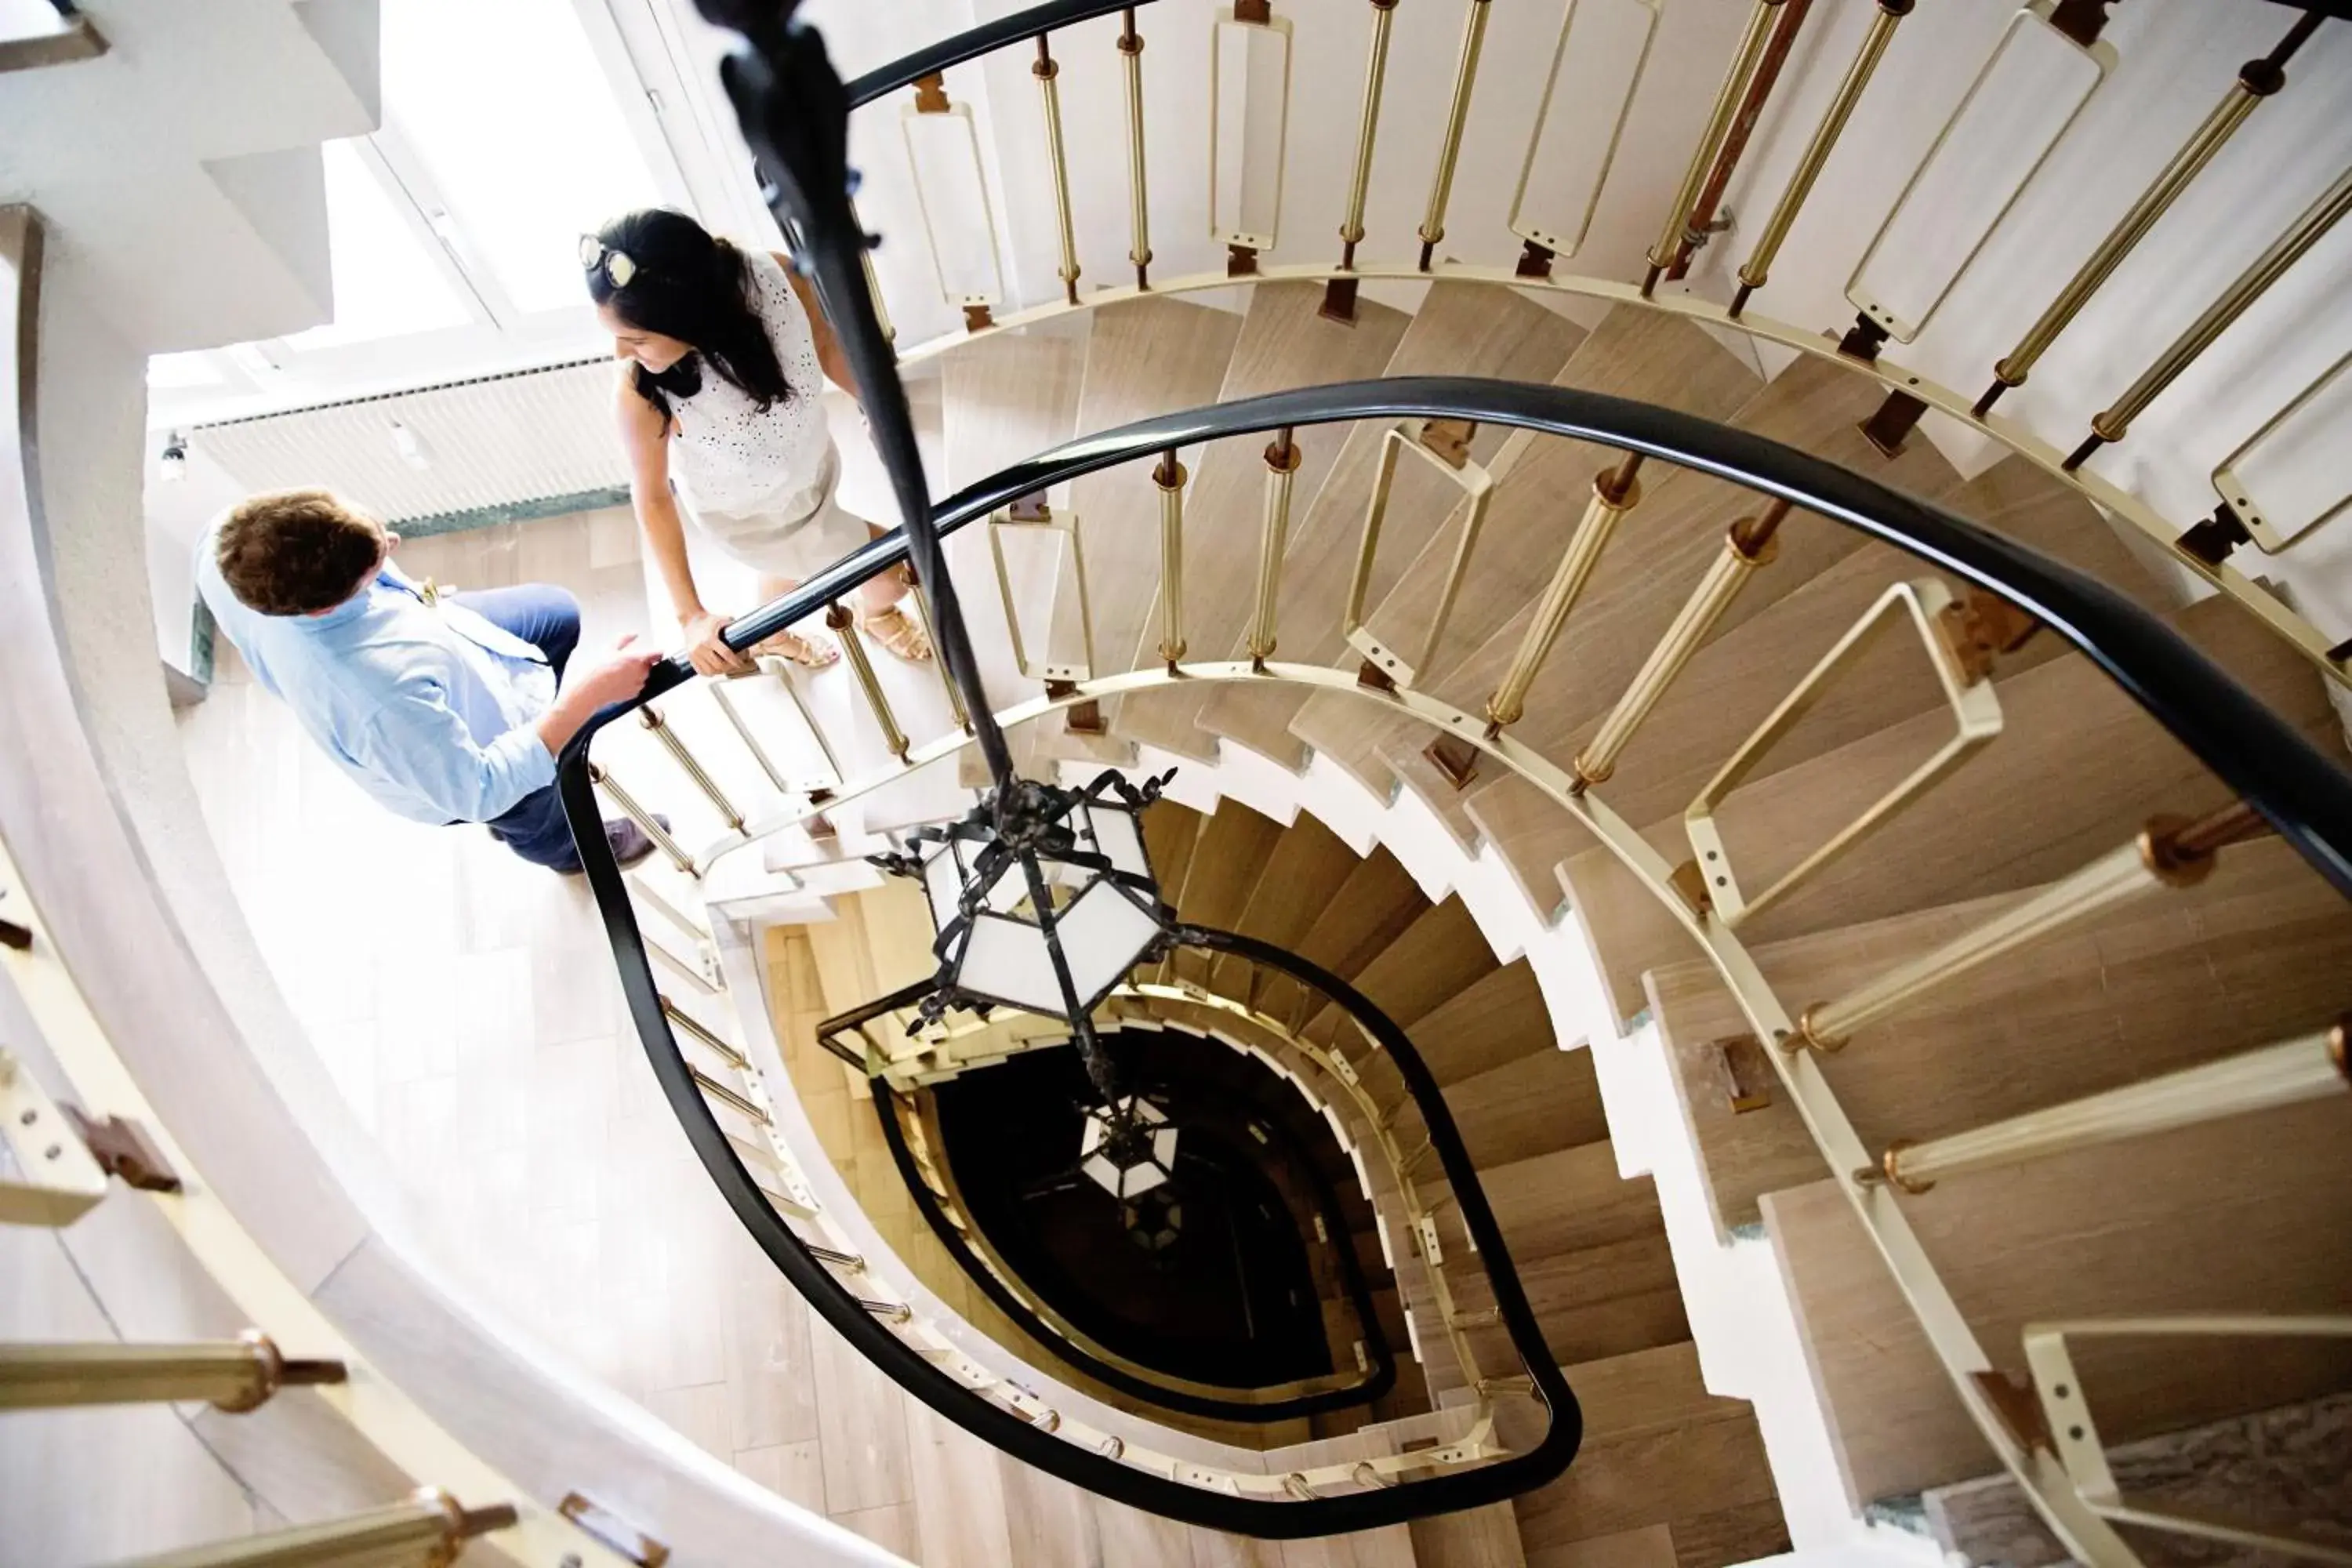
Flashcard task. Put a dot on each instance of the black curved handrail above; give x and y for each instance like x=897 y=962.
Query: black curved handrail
x=2301 y=793
x=2307 y=798
x=974 y=42
x=1380 y=1379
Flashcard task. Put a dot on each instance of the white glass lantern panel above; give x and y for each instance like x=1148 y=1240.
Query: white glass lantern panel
x=1249 y=115
x=1595 y=68
x=1117 y=839
x=1011 y=889
x=959 y=223
x=521 y=132
x=1007 y=960
x=2029 y=92
x=942 y=885
x=1103 y=935
x=2293 y=475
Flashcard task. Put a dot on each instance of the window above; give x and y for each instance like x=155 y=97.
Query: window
x=387 y=283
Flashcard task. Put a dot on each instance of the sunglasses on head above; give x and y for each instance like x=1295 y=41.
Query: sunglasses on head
x=597 y=257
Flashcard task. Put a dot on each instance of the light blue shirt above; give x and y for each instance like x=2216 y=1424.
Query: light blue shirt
x=429 y=707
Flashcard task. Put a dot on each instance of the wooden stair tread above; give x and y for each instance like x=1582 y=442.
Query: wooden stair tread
x=1565 y=1201
x=2230 y=1216
x=1461 y=329
x=1737 y=678
x=1008 y=396
x=1546 y=1100
x=1608 y=1299
x=1233 y=845
x=1658 y=554
x=1659 y=1450
x=1374 y=906
x=1285 y=342
x=1143 y=357
x=1430 y=962
x=1496 y=1021
x=1634 y=354
x=2254 y=953
x=1295 y=883
x=2076 y=771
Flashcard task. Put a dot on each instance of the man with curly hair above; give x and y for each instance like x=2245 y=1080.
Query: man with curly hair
x=446 y=708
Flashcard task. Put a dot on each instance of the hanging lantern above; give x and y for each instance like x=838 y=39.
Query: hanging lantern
x=1042 y=897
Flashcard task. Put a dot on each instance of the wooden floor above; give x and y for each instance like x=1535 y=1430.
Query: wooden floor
x=465 y=1003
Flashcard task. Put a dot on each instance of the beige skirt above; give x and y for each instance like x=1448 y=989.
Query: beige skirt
x=794 y=535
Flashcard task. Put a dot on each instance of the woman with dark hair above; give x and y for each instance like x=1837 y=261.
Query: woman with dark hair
x=722 y=348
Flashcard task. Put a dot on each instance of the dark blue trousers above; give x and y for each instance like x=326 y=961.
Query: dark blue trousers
x=547 y=618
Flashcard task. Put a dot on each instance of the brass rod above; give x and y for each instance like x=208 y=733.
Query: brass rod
x=235 y=1376
x=1046 y=71
x=693 y=1025
x=1131 y=48
x=426 y=1528
x=2233 y=824
x=2287 y=1073
x=751 y=742
x=1449 y=152
x=1744 y=59
x=844 y=626
x=874 y=284
x=1615 y=492
x=645 y=819
x=1701 y=224
x=2115 y=421
x=1750 y=545
x=651 y=718
x=2168 y=852
x=1758 y=265
x=2257 y=79
x=1170 y=476
x=835 y=1256
x=1282 y=459
x=955 y=697
x=896 y=1311
x=726 y=1096
x=1376 y=68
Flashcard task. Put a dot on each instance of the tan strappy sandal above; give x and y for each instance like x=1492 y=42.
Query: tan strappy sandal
x=809 y=653
x=899 y=633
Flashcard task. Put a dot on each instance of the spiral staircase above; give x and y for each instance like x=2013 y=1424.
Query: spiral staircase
x=1640 y=823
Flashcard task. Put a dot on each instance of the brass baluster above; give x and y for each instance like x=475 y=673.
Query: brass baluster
x=1744 y=61
x=1131 y=48
x=2311 y=1066
x=922 y=603
x=2115 y=421
x=1752 y=541
x=743 y=733
x=1282 y=459
x=651 y=718
x=1615 y=492
x=1758 y=268
x=695 y=1027
x=1449 y=152
x=235 y=1376
x=733 y=1099
x=1046 y=70
x=844 y=627
x=1170 y=476
x=429 y=1527
x=1339 y=293
x=874 y=283
x=643 y=819
x=2257 y=79
x=2168 y=852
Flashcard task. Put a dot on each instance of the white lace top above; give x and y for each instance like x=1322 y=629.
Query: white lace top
x=727 y=454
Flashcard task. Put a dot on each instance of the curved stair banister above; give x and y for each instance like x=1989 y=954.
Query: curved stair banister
x=2307 y=797
x=2277 y=773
